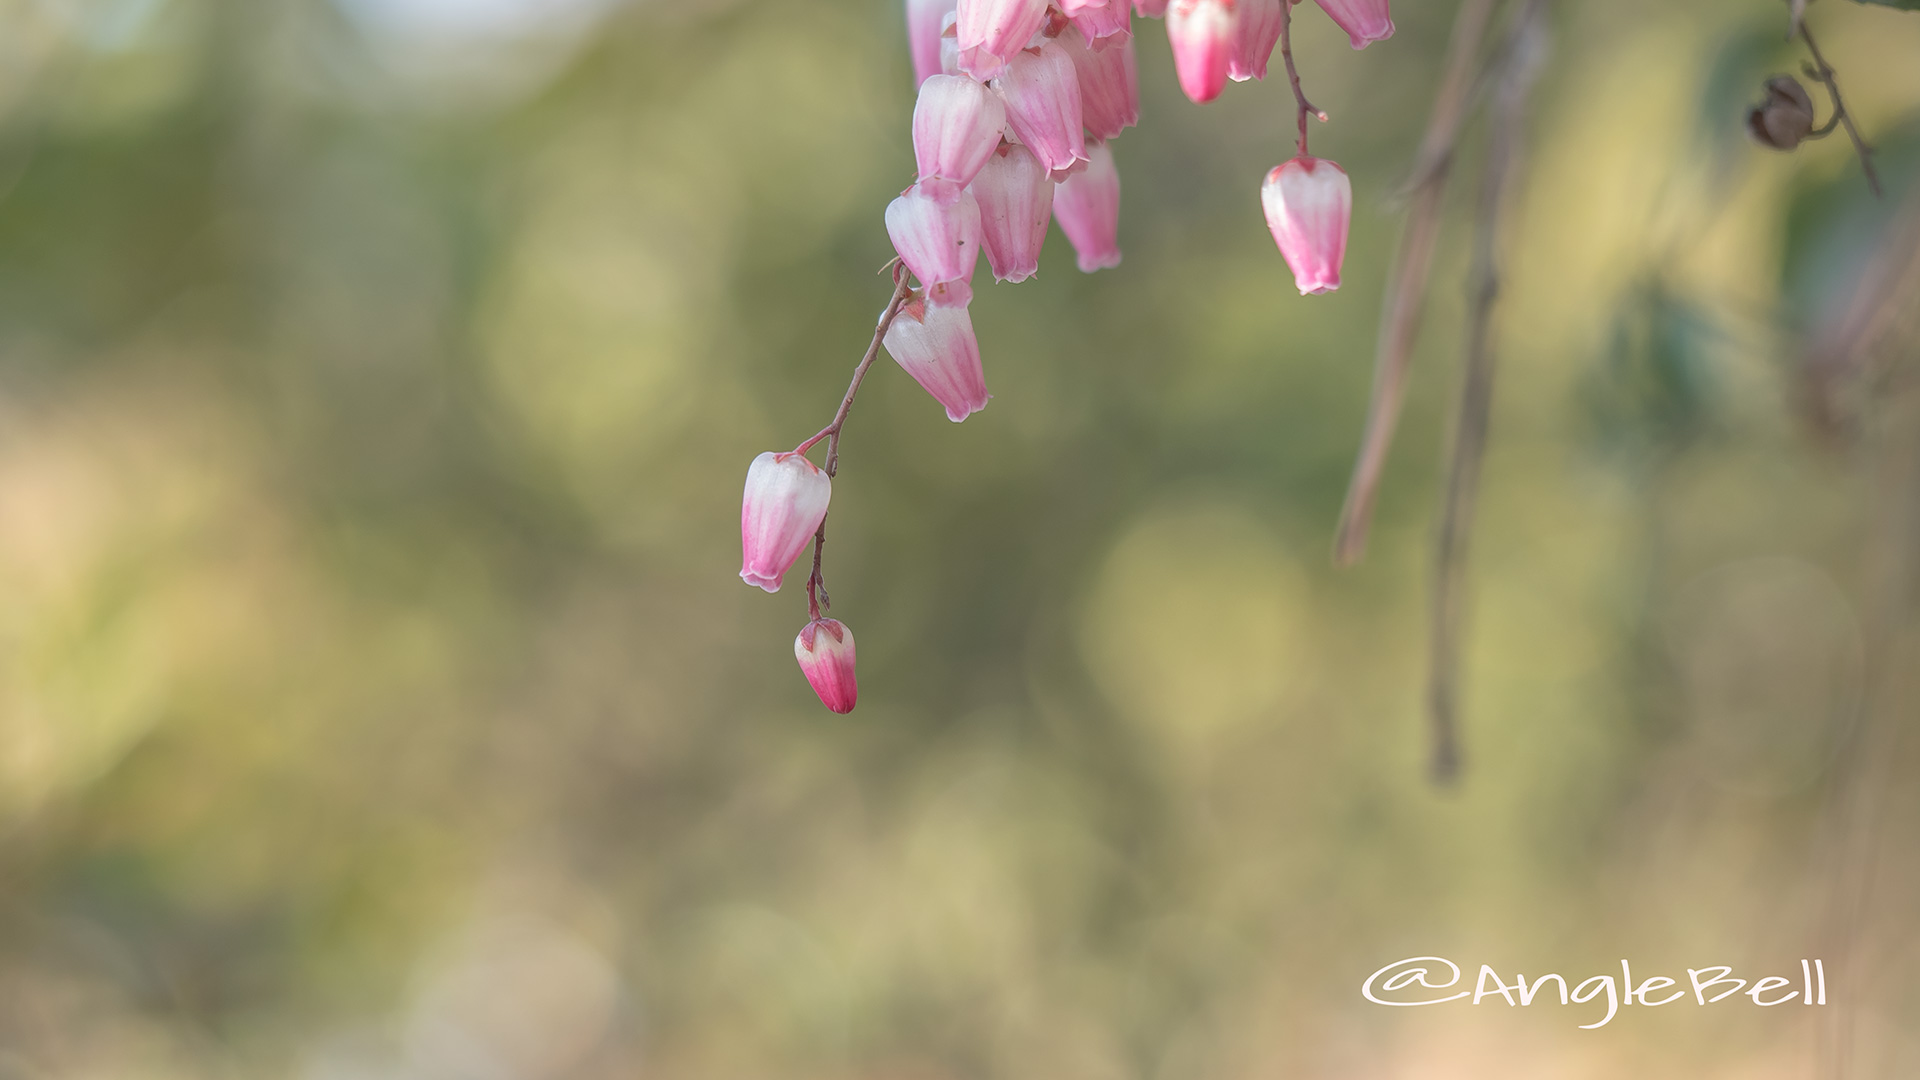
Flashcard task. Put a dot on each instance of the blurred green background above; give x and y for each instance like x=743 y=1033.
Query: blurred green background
x=378 y=698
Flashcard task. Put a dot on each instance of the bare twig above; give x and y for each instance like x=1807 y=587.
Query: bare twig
x=1304 y=107
x=1407 y=292
x=816 y=584
x=1824 y=72
x=1520 y=65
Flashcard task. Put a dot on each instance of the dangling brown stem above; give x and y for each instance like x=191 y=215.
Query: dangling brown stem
x=816 y=584
x=1407 y=292
x=1305 y=107
x=1519 y=67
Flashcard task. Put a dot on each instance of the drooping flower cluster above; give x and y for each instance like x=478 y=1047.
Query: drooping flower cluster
x=1019 y=102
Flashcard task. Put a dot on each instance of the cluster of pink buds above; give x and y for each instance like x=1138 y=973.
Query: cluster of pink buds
x=1019 y=102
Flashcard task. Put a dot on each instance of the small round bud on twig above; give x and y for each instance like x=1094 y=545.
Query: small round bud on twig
x=1785 y=117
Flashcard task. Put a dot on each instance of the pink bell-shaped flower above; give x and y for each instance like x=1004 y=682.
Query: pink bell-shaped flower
x=1087 y=206
x=924 y=19
x=1042 y=92
x=825 y=651
x=938 y=239
x=785 y=501
x=1015 y=198
x=934 y=343
x=1364 y=20
x=1202 y=35
x=1308 y=202
x=1256 y=32
x=956 y=126
x=1109 y=84
x=1150 y=9
x=1101 y=26
x=991 y=31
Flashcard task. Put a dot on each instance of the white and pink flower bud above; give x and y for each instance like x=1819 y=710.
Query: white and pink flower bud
x=1109 y=85
x=935 y=344
x=991 y=31
x=938 y=238
x=825 y=651
x=1103 y=26
x=950 y=45
x=1042 y=92
x=1364 y=20
x=956 y=126
x=1256 y=32
x=1087 y=206
x=1016 y=199
x=1201 y=32
x=1150 y=9
x=1308 y=203
x=924 y=23
x=785 y=501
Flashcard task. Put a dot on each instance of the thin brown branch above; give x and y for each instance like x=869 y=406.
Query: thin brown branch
x=816 y=584
x=1407 y=292
x=1520 y=66
x=1304 y=107
x=1824 y=72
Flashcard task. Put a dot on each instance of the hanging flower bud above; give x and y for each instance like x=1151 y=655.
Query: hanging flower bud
x=1785 y=117
x=991 y=31
x=785 y=501
x=1087 y=206
x=1308 y=202
x=923 y=35
x=1043 y=104
x=1256 y=32
x=1150 y=9
x=939 y=240
x=934 y=343
x=956 y=125
x=1102 y=26
x=825 y=651
x=1202 y=35
x=1109 y=80
x=1364 y=20
x=1015 y=198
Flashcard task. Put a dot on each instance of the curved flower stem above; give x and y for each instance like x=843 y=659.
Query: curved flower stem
x=1820 y=70
x=1306 y=108
x=817 y=585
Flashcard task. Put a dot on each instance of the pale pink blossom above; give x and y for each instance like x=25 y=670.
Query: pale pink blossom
x=1150 y=9
x=1109 y=84
x=1104 y=26
x=1308 y=203
x=1042 y=92
x=991 y=31
x=950 y=45
x=1087 y=206
x=1256 y=31
x=1016 y=199
x=785 y=501
x=824 y=648
x=924 y=18
x=1364 y=20
x=956 y=126
x=1201 y=32
x=934 y=343
x=936 y=236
